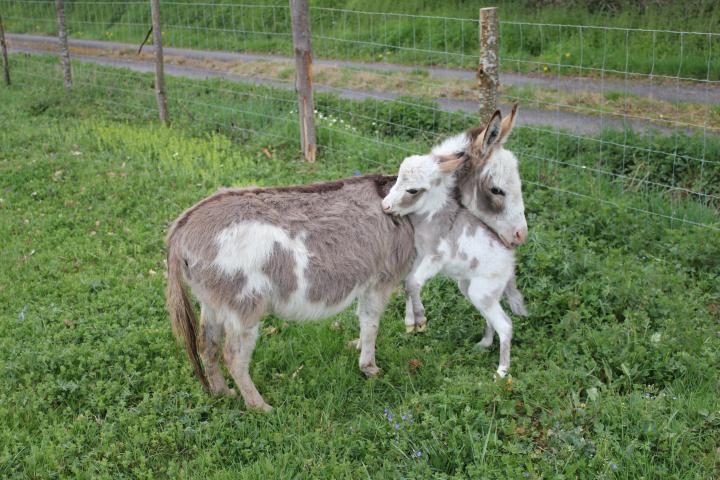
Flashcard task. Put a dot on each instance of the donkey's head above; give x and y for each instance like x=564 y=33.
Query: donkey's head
x=489 y=182
x=424 y=184
x=486 y=175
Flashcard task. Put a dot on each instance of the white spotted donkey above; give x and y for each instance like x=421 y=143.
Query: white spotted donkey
x=465 y=202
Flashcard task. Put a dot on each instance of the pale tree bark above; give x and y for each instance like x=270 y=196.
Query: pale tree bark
x=64 y=50
x=303 y=76
x=3 y=45
x=487 y=72
x=159 y=68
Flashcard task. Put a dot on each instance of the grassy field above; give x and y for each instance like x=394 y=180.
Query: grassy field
x=377 y=31
x=615 y=372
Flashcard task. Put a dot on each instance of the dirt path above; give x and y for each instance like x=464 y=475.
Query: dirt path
x=573 y=122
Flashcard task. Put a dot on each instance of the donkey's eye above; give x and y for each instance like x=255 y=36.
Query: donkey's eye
x=497 y=191
x=412 y=191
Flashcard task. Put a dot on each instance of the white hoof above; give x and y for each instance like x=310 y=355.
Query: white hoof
x=421 y=328
x=354 y=344
x=409 y=328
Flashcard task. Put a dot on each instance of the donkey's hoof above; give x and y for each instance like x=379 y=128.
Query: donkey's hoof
x=371 y=370
x=483 y=344
x=223 y=392
x=421 y=327
x=409 y=328
x=354 y=344
x=261 y=407
x=500 y=373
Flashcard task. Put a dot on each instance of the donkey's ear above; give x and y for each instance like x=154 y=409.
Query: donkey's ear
x=483 y=142
x=449 y=163
x=507 y=124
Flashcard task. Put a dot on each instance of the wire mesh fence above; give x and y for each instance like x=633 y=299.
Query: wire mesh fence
x=623 y=116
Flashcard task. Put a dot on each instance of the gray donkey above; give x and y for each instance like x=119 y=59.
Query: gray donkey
x=304 y=252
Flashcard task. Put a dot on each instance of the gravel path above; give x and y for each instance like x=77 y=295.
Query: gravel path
x=573 y=122
x=703 y=93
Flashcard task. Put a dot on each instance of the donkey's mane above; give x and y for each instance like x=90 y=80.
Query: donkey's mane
x=456 y=145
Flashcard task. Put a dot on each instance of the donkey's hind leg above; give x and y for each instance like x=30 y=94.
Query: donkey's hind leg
x=209 y=340
x=486 y=298
x=409 y=312
x=487 y=339
x=370 y=306
x=241 y=335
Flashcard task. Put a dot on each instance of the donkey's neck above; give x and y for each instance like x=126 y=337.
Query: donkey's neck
x=442 y=218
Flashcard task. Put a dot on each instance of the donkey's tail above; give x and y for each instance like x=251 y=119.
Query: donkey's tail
x=515 y=298
x=182 y=314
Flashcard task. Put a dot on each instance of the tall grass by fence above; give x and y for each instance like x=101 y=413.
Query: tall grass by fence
x=607 y=110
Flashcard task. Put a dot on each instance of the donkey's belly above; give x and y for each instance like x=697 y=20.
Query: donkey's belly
x=299 y=307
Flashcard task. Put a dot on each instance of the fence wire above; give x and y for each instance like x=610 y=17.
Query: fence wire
x=623 y=116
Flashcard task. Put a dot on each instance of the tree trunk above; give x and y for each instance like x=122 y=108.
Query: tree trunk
x=303 y=76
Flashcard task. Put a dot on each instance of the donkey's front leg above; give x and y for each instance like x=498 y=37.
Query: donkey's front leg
x=422 y=270
x=370 y=306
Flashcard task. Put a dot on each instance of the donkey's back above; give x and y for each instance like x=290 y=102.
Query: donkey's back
x=299 y=252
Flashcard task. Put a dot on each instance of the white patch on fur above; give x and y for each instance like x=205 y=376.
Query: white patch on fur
x=246 y=247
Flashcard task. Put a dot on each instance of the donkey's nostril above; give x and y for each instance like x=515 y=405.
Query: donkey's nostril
x=520 y=235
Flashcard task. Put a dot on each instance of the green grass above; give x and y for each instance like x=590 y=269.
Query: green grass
x=614 y=372
x=536 y=47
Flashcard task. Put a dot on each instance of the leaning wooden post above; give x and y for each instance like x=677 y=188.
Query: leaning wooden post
x=159 y=70
x=3 y=45
x=303 y=76
x=62 y=37
x=487 y=72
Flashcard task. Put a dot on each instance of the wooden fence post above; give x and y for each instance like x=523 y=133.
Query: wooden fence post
x=487 y=72
x=159 y=70
x=62 y=37
x=3 y=45
x=303 y=76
